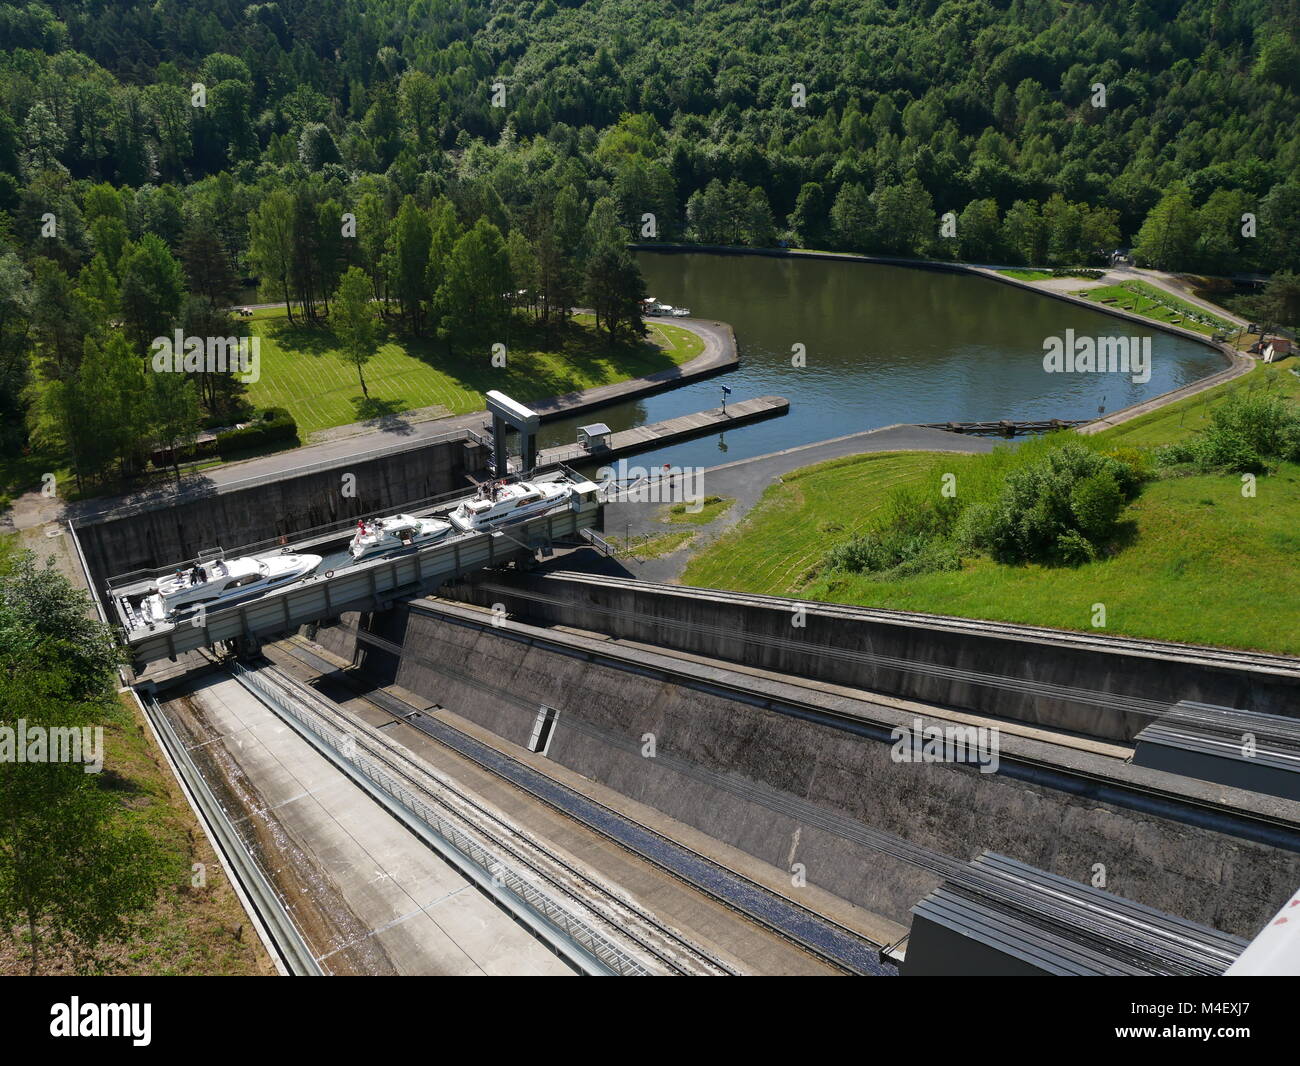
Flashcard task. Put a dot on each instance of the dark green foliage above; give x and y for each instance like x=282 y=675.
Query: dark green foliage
x=383 y=110
x=1244 y=433
x=76 y=867
x=1054 y=501
x=276 y=426
x=1060 y=508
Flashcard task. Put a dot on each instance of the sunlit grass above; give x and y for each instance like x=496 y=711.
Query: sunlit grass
x=302 y=370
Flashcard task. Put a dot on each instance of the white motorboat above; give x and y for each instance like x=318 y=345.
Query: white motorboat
x=399 y=531
x=220 y=582
x=500 y=505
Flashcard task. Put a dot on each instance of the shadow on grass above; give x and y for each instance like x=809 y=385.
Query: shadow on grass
x=386 y=414
x=299 y=338
x=586 y=359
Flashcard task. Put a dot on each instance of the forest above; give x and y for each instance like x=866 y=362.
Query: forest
x=453 y=163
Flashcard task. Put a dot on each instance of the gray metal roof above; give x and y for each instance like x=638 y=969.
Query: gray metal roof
x=1065 y=927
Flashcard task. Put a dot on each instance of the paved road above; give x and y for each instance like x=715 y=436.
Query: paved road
x=383 y=435
x=745 y=481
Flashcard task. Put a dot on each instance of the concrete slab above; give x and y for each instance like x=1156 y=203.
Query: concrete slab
x=368 y=895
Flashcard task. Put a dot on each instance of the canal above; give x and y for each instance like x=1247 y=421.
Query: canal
x=882 y=345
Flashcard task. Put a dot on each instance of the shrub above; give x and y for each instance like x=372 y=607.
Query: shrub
x=1245 y=432
x=1134 y=468
x=276 y=426
x=893 y=552
x=1069 y=489
x=1096 y=502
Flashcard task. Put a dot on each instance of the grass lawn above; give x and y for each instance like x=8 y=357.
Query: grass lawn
x=652 y=547
x=1026 y=274
x=1196 y=562
x=301 y=370
x=1144 y=299
x=712 y=507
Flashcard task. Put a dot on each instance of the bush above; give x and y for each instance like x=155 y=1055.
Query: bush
x=276 y=426
x=1134 y=469
x=1066 y=490
x=893 y=552
x=1096 y=502
x=1245 y=432
x=912 y=539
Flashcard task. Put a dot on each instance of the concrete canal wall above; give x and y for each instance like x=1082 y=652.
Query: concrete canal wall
x=152 y=534
x=725 y=765
x=1036 y=673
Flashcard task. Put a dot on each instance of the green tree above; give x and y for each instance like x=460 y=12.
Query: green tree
x=152 y=287
x=271 y=244
x=852 y=218
x=353 y=319
x=469 y=301
x=77 y=869
x=979 y=232
x=173 y=413
x=615 y=290
x=1167 y=239
x=410 y=258
x=1024 y=233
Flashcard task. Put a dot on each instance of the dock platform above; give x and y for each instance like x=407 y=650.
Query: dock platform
x=683 y=427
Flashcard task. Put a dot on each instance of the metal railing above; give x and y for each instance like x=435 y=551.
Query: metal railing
x=263 y=901
x=571 y=935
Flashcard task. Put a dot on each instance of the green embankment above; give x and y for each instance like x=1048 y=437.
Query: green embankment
x=1144 y=299
x=1196 y=561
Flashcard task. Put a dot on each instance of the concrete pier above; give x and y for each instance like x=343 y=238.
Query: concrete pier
x=684 y=427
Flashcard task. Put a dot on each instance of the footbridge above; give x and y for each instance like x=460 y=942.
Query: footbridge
x=341 y=584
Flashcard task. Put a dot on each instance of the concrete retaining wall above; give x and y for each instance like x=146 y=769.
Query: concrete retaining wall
x=930 y=658
x=1222 y=881
x=339 y=637
x=168 y=532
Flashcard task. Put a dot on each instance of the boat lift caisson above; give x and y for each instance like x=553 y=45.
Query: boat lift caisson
x=258 y=596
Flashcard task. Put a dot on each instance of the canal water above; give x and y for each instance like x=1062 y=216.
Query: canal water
x=882 y=345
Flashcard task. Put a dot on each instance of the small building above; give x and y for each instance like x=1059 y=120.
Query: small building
x=1276 y=348
x=595 y=437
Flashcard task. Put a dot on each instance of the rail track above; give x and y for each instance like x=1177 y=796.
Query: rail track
x=617 y=915
x=825 y=939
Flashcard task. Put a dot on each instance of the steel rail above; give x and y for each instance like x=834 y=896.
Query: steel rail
x=554 y=923
x=403 y=755
x=292 y=954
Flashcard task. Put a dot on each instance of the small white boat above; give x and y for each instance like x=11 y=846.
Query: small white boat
x=499 y=505
x=399 y=531
x=217 y=583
